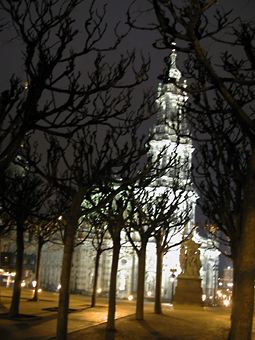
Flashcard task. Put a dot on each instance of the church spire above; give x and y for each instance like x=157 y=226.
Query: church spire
x=172 y=73
x=170 y=101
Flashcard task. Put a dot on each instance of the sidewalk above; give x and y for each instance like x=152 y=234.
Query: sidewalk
x=38 y=321
x=173 y=324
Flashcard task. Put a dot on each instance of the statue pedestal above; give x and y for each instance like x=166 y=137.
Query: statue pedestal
x=188 y=291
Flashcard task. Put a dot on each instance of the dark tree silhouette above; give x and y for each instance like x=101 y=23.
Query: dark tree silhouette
x=114 y=215
x=42 y=228
x=99 y=235
x=53 y=96
x=173 y=215
x=139 y=231
x=22 y=197
x=151 y=212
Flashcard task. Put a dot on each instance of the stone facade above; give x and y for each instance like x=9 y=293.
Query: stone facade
x=170 y=101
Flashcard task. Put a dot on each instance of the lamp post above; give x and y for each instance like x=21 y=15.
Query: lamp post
x=172 y=280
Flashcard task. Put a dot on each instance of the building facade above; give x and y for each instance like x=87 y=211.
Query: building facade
x=164 y=135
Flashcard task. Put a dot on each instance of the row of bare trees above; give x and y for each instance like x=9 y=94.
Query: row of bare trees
x=134 y=204
x=84 y=121
x=78 y=131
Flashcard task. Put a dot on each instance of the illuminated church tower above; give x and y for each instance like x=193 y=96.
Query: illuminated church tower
x=170 y=130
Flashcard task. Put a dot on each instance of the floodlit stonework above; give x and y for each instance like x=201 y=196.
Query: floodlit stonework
x=169 y=119
x=170 y=101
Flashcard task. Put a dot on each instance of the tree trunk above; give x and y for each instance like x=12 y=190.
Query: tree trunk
x=113 y=282
x=96 y=269
x=157 y=304
x=242 y=309
x=14 y=308
x=69 y=238
x=63 y=304
x=37 y=272
x=234 y=251
x=140 y=282
x=243 y=303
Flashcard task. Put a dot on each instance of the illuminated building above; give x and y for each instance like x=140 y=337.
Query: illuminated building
x=169 y=119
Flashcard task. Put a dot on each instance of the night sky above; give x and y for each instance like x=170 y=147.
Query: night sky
x=10 y=56
x=11 y=48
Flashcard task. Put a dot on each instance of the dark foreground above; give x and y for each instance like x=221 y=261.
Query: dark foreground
x=38 y=320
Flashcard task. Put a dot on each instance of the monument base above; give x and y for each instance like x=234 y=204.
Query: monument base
x=188 y=291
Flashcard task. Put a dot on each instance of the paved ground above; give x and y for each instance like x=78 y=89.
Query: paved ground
x=39 y=320
x=188 y=324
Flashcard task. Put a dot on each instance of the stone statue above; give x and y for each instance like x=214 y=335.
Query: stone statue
x=190 y=258
x=183 y=258
x=188 y=290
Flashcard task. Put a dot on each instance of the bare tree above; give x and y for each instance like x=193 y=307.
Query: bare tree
x=99 y=242
x=114 y=215
x=22 y=197
x=139 y=231
x=42 y=229
x=173 y=215
x=54 y=94
x=152 y=211
x=219 y=177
